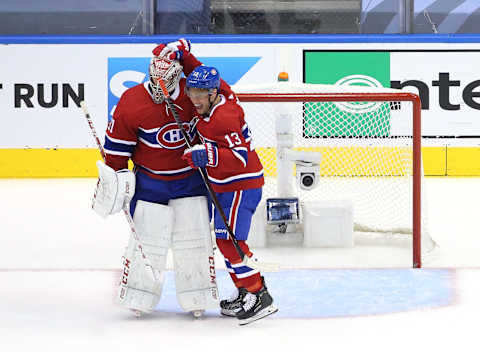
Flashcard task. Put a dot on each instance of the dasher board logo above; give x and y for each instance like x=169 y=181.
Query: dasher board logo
x=126 y=72
x=347 y=119
x=358 y=80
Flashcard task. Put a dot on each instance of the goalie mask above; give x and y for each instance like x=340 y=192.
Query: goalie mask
x=168 y=70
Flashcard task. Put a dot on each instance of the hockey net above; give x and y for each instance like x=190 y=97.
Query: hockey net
x=369 y=141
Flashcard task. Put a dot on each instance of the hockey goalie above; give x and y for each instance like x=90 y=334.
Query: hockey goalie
x=164 y=195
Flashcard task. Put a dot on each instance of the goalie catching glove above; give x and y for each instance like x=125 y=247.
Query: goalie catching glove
x=201 y=155
x=114 y=189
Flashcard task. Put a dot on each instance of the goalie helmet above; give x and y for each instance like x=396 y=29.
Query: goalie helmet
x=169 y=71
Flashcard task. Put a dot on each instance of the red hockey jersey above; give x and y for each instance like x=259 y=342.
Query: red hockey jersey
x=238 y=166
x=148 y=134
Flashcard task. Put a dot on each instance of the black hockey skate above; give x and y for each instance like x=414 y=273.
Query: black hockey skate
x=231 y=306
x=256 y=306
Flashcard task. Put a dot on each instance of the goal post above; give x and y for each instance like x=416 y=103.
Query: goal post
x=364 y=136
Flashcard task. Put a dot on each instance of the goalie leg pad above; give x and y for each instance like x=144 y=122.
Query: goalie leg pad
x=138 y=291
x=195 y=278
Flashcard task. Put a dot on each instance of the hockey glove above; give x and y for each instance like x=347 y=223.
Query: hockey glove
x=158 y=49
x=177 y=50
x=201 y=155
x=114 y=189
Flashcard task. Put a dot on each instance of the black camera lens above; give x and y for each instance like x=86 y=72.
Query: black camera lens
x=307 y=180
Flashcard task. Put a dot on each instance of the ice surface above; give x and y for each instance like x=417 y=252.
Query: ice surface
x=60 y=262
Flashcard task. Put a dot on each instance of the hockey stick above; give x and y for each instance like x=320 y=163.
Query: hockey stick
x=146 y=261
x=246 y=260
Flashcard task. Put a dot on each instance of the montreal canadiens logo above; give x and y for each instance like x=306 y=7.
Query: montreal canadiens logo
x=170 y=136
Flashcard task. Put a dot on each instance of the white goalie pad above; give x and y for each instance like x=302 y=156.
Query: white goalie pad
x=138 y=290
x=195 y=277
x=114 y=189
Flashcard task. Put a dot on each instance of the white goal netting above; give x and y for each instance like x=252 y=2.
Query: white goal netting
x=363 y=138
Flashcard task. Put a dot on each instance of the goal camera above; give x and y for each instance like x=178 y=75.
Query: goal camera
x=307 y=174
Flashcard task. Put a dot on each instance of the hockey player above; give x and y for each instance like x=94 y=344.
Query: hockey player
x=236 y=175
x=169 y=206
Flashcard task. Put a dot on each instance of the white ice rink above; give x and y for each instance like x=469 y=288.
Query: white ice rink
x=59 y=264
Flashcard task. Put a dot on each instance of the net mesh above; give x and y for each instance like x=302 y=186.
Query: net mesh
x=366 y=151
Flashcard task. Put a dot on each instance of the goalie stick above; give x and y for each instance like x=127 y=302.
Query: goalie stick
x=146 y=261
x=246 y=260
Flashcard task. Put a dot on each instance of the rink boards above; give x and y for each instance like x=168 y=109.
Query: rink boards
x=44 y=133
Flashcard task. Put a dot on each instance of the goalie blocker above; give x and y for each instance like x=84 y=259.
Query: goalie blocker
x=183 y=225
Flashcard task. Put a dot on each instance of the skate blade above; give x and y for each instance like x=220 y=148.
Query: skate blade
x=136 y=312
x=228 y=313
x=197 y=314
x=262 y=314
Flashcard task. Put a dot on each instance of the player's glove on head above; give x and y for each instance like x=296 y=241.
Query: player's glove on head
x=201 y=155
x=114 y=189
x=158 y=49
x=177 y=50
